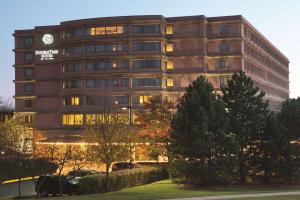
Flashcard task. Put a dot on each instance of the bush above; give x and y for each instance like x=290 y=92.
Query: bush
x=130 y=178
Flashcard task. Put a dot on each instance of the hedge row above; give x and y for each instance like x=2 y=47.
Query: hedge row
x=130 y=178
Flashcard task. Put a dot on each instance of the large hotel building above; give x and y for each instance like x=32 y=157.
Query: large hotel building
x=66 y=74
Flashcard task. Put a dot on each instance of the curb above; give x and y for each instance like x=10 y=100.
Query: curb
x=16 y=180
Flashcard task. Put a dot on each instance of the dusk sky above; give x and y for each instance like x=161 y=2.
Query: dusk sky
x=278 y=20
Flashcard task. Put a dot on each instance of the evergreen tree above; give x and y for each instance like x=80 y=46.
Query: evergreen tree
x=248 y=113
x=199 y=143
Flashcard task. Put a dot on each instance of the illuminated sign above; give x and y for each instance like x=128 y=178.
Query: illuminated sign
x=48 y=38
x=47 y=54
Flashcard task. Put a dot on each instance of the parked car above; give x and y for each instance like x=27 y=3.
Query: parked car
x=82 y=173
x=124 y=165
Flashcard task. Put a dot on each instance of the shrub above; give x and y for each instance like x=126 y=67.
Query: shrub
x=130 y=178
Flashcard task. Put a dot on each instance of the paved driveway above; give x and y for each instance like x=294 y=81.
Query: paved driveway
x=11 y=189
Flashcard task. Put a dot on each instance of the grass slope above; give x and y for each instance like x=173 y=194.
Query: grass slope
x=166 y=189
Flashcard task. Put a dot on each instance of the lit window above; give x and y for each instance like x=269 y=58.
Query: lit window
x=122 y=29
x=100 y=30
x=169 y=65
x=170 y=82
x=145 y=99
x=71 y=101
x=111 y=30
x=28 y=119
x=72 y=119
x=169 y=47
x=169 y=29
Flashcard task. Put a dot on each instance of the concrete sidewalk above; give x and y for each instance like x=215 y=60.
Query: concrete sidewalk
x=236 y=196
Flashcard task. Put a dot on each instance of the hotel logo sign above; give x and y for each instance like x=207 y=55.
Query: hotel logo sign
x=48 y=39
x=47 y=54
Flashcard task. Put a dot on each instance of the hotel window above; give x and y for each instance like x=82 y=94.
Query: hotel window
x=223 y=82
x=169 y=65
x=28 y=119
x=170 y=82
x=103 y=83
x=71 y=101
x=149 y=28
x=122 y=29
x=72 y=119
x=223 y=64
x=73 y=67
x=73 y=50
x=146 y=82
x=224 y=29
x=169 y=29
x=28 y=103
x=142 y=99
x=28 y=56
x=28 y=41
x=146 y=64
x=71 y=84
x=100 y=30
x=146 y=46
x=90 y=48
x=28 y=88
x=224 y=47
x=28 y=72
x=169 y=47
x=111 y=30
x=107 y=30
x=102 y=65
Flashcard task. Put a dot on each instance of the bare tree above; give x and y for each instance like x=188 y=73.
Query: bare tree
x=108 y=133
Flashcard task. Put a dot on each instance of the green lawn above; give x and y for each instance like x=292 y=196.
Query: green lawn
x=167 y=189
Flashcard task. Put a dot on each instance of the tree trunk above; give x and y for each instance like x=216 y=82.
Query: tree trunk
x=107 y=177
x=242 y=167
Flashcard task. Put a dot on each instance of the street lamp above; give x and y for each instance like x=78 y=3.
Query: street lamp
x=129 y=108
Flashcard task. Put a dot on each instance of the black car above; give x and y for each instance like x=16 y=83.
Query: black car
x=49 y=184
x=124 y=165
x=82 y=173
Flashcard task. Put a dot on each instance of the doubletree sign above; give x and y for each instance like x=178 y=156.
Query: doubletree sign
x=47 y=54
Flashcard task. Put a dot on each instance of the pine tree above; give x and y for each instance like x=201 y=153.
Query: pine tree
x=247 y=111
x=199 y=143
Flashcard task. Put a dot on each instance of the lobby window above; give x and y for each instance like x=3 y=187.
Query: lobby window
x=169 y=65
x=71 y=84
x=146 y=82
x=28 y=103
x=224 y=47
x=28 y=88
x=28 y=72
x=169 y=29
x=28 y=119
x=71 y=101
x=223 y=64
x=146 y=64
x=146 y=46
x=28 y=41
x=72 y=119
x=170 y=82
x=224 y=29
x=148 y=28
x=169 y=47
x=72 y=67
x=28 y=56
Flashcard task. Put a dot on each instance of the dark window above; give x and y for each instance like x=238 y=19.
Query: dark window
x=224 y=47
x=28 y=41
x=90 y=48
x=73 y=50
x=28 y=72
x=146 y=46
x=28 y=103
x=28 y=88
x=72 y=84
x=77 y=32
x=28 y=56
x=145 y=64
x=100 y=48
x=224 y=64
x=73 y=67
x=136 y=82
x=107 y=83
x=224 y=29
x=149 y=28
x=123 y=47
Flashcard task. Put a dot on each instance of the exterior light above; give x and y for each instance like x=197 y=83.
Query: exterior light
x=2 y=152
x=116 y=102
x=124 y=108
